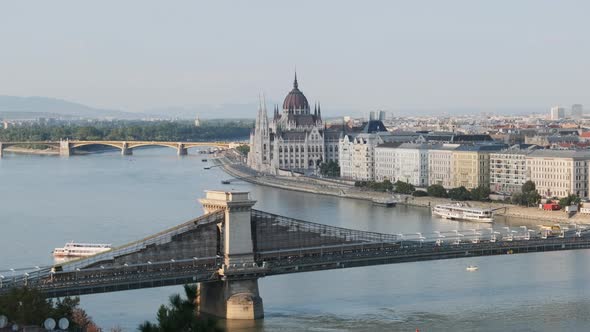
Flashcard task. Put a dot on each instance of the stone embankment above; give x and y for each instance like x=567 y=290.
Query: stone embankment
x=531 y=215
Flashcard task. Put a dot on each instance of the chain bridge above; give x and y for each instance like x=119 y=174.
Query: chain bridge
x=67 y=147
x=232 y=245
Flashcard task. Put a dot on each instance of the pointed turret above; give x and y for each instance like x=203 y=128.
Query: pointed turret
x=295 y=85
x=319 y=111
x=315 y=110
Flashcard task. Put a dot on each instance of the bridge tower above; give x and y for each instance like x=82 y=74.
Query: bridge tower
x=233 y=298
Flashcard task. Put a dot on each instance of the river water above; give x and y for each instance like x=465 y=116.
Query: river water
x=46 y=201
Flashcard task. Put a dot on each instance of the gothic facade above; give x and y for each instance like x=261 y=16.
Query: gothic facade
x=295 y=139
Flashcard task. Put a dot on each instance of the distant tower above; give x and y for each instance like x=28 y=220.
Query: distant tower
x=557 y=113
x=372 y=116
x=197 y=122
x=382 y=115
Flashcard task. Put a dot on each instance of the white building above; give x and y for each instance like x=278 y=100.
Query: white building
x=559 y=173
x=357 y=151
x=440 y=165
x=508 y=169
x=557 y=113
x=295 y=139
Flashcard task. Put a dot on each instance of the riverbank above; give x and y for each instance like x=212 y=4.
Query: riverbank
x=529 y=215
x=19 y=150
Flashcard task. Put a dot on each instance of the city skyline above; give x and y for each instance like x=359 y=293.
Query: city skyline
x=426 y=57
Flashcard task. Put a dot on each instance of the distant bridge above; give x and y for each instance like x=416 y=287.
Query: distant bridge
x=232 y=245
x=67 y=147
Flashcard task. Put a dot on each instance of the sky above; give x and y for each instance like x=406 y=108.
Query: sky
x=350 y=55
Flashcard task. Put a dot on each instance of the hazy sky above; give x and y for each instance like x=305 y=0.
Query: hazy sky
x=395 y=55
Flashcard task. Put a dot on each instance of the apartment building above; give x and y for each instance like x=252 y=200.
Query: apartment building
x=508 y=168
x=559 y=173
x=440 y=169
x=471 y=165
x=407 y=162
x=357 y=155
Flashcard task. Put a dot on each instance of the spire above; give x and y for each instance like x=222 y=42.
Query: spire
x=319 y=111
x=315 y=109
x=295 y=85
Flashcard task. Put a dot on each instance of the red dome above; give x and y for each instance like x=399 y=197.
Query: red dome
x=295 y=100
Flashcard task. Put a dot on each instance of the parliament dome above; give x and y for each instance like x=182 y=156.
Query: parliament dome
x=295 y=100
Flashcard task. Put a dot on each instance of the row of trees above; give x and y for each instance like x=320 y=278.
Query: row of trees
x=128 y=130
x=461 y=193
x=387 y=186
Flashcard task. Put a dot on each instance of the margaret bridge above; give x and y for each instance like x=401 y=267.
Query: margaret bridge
x=232 y=245
x=67 y=147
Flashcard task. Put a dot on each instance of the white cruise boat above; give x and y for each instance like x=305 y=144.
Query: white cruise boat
x=462 y=211
x=72 y=249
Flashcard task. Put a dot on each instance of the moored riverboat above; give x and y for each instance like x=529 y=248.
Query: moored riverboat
x=462 y=211
x=73 y=249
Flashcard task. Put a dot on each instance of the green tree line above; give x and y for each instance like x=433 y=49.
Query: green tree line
x=128 y=130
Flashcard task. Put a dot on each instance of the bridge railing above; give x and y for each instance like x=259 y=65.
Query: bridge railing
x=156 y=239
x=270 y=225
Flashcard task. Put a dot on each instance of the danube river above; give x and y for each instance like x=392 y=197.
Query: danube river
x=46 y=201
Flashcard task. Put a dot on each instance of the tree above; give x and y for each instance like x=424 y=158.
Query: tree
x=529 y=195
x=528 y=187
x=480 y=193
x=28 y=306
x=460 y=194
x=404 y=188
x=419 y=193
x=180 y=316
x=331 y=168
x=243 y=149
x=436 y=190
x=569 y=200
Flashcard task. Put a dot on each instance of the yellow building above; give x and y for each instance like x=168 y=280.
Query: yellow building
x=471 y=165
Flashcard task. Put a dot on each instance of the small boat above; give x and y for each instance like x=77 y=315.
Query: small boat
x=384 y=202
x=73 y=249
x=225 y=182
x=472 y=268
x=204 y=160
x=462 y=211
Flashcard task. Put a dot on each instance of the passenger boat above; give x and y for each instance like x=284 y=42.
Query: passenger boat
x=462 y=211
x=472 y=268
x=73 y=249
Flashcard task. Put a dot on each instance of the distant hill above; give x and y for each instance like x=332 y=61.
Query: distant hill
x=12 y=107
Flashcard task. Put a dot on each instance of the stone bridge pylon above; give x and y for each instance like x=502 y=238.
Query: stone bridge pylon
x=236 y=295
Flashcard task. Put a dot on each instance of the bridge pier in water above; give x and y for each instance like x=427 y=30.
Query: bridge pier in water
x=125 y=150
x=182 y=150
x=233 y=298
x=65 y=148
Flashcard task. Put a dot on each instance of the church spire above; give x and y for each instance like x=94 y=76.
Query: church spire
x=295 y=84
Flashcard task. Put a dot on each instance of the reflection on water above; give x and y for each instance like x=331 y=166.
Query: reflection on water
x=108 y=198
